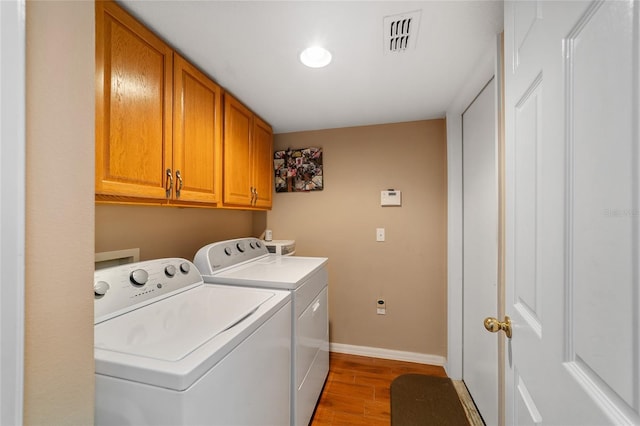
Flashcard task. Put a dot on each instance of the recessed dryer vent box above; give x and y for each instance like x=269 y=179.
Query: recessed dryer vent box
x=390 y=197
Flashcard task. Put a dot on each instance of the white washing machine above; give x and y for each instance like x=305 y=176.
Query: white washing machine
x=247 y=262
x=170 y=350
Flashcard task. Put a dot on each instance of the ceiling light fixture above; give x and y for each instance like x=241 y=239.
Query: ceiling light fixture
x=315 y=57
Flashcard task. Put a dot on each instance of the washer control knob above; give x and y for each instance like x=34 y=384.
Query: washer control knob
x=170 y=270
x=139 y=277
x=185 y=267
x=258 y=245
x=240 y=247
x=100 y=288
x=227 y=251
x=252 y=246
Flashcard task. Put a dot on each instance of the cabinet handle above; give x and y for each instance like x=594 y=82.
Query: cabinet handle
x=169 y=184
x=179 y=188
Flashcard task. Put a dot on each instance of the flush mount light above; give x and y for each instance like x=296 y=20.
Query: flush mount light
x=315 y=57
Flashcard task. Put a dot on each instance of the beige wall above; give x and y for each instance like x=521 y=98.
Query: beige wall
x=409 y=269
x=339 y=222
x=59 y=378
x=167 y=231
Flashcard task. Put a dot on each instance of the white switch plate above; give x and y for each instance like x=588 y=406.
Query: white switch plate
x=379 y=234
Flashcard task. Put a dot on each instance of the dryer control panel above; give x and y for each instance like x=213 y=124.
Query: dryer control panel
x=216 y=256
x=123 y=288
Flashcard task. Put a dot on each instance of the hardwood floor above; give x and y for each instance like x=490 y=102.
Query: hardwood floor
x=357 y=389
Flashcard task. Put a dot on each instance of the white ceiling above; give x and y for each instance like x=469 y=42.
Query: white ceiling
x=251 y=48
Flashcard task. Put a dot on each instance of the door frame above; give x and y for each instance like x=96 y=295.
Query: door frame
x=482 y=72
x=480 y=371
x=488 y=66
x=12 y=207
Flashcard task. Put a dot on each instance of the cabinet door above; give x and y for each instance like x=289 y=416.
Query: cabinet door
x=197 y=151
x=237 y=153
x=133 y=106
x=262 y=151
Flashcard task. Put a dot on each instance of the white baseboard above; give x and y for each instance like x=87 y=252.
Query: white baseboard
x=388 y=354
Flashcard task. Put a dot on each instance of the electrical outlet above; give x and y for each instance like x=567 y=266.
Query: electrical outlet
x=380 y=234
x=381 y=307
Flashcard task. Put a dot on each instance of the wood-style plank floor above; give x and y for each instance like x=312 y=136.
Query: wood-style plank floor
x=357 y=389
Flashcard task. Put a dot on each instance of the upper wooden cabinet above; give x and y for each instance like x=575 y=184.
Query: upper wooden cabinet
x=247 y=151
x=158 y=118
x=159 y=126
x=197 y=134
x=134 y=71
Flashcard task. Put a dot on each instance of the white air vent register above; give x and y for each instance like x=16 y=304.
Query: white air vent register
x=401 y=31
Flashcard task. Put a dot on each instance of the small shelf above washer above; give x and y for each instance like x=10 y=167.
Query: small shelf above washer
x=107 y=259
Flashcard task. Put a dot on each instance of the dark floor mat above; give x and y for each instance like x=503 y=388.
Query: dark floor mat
x=419 y=400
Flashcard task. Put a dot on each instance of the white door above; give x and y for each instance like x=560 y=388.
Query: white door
x=573 y=176
x=480 y=222
x=12 y=208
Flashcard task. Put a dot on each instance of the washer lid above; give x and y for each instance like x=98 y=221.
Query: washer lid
x=174 y=327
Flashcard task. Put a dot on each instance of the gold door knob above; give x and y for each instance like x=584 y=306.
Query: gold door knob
x=493 y=325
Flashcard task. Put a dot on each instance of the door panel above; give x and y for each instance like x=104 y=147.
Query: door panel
x=572 y=161
x=263 y=163
x=237 y=153
x=480 y=221
x=197 y=151
x=524 y=20
x=526 y=409
x=603 y=191
x=133 y=106
x=526 y=285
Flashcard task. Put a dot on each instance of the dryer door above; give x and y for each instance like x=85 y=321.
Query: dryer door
x=312 y=356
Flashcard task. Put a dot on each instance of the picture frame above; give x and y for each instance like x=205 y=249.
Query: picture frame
x=298 y=170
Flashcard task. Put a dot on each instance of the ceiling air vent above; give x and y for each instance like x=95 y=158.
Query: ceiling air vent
x=401 y=31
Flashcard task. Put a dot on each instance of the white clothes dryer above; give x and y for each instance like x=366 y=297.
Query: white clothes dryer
x=170 y=350
x=247 y=262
